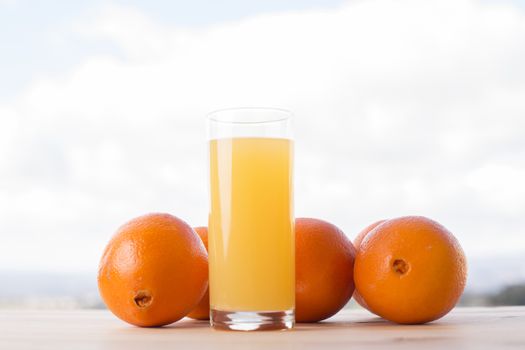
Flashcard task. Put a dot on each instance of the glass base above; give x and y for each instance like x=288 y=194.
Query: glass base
x=252 y=320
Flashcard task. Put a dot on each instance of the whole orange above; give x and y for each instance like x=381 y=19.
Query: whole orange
x=357 y=243
x=153 y=271
x=324 y=263
x=410 y=270
x=202 y=310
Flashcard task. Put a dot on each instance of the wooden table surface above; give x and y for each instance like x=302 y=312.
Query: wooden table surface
x=465 y=328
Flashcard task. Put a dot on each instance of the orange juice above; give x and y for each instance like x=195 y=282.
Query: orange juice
x=251 y=234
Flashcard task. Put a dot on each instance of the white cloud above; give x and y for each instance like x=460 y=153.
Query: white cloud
x=133 y=31
x=404 y=107
x=501 y=187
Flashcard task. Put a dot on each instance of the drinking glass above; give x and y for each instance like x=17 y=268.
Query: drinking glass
x=251 y=223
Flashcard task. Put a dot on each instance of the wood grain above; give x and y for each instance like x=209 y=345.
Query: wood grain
x=465 y=328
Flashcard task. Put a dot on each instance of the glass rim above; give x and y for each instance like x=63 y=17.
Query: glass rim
x=281 y=115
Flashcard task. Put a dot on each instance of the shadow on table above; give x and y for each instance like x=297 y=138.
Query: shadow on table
x=372 y=322
x=375 y=322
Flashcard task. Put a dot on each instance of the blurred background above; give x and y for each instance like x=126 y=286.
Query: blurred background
x=401 y=108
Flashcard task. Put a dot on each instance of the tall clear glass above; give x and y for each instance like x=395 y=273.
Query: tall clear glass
x=251 y=223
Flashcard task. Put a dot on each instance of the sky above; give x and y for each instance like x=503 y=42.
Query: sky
x=401 y=108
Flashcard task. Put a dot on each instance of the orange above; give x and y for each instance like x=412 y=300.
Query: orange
x=410 y=270
x=153 y=271
x=324 y=263
x=357 y=243
x=202 y=311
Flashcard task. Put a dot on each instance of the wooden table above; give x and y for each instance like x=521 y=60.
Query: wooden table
x=465 y=328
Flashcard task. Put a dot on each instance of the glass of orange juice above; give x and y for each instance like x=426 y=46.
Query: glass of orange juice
x=251 y=239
